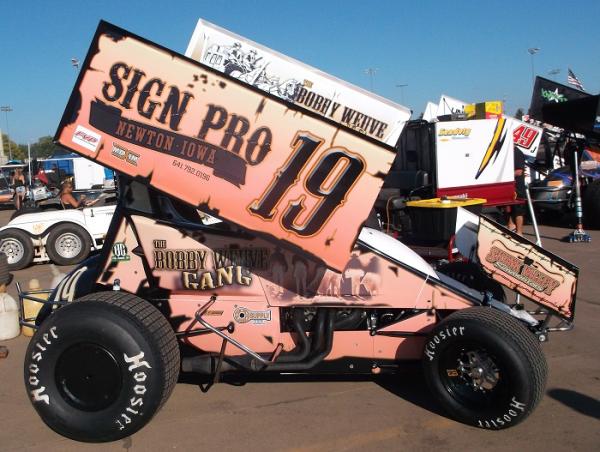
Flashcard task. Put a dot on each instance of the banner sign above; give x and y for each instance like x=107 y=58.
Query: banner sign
x=232 y=150
x=297 y=82
x=481 y=157
x=548 y=92
x=526 y=268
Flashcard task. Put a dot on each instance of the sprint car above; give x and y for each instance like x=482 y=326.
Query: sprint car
x=289 y=281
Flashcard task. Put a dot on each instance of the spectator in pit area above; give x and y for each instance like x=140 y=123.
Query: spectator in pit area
x=516 y=212
x=18 y=183
x=68 y=201
x=54 y=177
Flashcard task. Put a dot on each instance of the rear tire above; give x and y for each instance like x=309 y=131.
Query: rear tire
x=68 y=244
x=99 y=369
x=17 y=246
x=485 y=367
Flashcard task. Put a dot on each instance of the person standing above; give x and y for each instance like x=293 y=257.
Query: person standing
x=516 y=214
x=18 y=183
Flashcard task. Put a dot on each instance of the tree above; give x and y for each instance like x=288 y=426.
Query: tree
x=519 y=113
x=44 y=147
x=10 y=147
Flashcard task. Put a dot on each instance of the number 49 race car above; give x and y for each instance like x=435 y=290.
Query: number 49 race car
x=288 y=282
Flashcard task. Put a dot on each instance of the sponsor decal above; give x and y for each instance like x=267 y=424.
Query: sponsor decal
x=222 y=158
x=521 y=270
x=494 y=147
x=137 y=367
x=254 y=67
x=213 y=312
x=210 y=269
x=125 y=154
x=459 y=132
x=553 y=96
x=37 y=390
x=245 y=315
x=119 y=252
x=516 y=408
x=524 y=136
x=86 y=138
x=442 y=335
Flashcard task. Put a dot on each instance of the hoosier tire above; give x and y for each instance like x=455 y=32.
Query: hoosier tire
x=485 y=368
x=100 y=368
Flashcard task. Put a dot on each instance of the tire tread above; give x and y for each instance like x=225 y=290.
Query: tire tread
x=515 y=332
x=155 y=324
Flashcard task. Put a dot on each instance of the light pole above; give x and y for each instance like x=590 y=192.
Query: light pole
x=371 y=72
x=554 y=72
x=401 y=86
x=6 y=109
x=532 y=51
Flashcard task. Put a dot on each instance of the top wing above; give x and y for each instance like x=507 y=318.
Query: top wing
x=206 y=138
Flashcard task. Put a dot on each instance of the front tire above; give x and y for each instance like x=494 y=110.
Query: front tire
x=17 y=246
x=68 y=244
x=485 y=368
x=99 y=369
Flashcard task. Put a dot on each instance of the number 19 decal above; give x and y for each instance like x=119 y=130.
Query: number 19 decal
x=330 y=179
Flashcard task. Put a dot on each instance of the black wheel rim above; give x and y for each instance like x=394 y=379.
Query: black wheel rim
x=88 y=377
x=474 y=376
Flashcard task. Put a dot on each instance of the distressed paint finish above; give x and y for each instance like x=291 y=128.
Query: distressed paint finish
x=188 y=141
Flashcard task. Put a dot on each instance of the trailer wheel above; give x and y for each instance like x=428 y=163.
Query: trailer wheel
x=472 y=276
x=68 y=244
x=591 y=205
x=485 y=368
x=100 y=368
x=18 y=248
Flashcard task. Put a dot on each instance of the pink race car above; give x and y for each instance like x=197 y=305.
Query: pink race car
x=286 y=280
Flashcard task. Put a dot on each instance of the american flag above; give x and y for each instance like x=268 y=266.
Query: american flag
x=573 y=80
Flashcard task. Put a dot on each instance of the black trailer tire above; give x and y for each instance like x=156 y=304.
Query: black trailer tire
x=68 y=244
x=485 y=367
x=591 y=205
x=98 y=369
x=17 y=246
x=471 y=275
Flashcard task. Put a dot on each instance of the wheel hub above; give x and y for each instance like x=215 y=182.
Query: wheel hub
x=13 y=249
x=88 y=377
x=478 y=369
x=68 y=245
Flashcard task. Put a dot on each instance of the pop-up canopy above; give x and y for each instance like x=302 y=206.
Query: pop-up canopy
x=212 y=141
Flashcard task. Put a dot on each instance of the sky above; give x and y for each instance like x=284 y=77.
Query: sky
x=470 y=50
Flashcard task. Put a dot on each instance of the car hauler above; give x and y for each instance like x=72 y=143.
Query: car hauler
x=288 y=281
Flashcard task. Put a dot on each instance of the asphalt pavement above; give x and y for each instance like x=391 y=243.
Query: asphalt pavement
x=323 y=414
